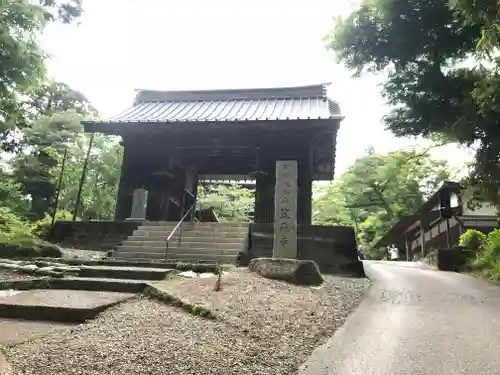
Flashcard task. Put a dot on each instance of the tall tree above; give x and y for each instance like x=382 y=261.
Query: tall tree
x=35 y=169
x=11 y=196
x=230 y=202
x=65 y=11
x=59 y=110
x=330 y=206
x=53 y=97
x=378 y=190
x=102 y=177
x=485 y=12
x=433 y=84
x=22 y=61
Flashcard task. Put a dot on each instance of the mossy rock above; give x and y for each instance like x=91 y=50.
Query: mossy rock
x=294 y=271
x=166 y=297
x=198 y=267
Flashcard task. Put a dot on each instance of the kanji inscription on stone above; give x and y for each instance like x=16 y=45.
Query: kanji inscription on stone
x=285 y=210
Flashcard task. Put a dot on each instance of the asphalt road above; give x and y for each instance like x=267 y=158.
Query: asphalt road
x=416 y=321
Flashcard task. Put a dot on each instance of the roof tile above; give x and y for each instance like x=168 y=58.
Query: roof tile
x=307 y=102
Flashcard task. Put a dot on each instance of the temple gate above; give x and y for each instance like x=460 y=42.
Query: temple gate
x=172 y=138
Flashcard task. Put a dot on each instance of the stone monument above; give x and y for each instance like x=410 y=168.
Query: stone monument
x=139 y=204
x=285 y=213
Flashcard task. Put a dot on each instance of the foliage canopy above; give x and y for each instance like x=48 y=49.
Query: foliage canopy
x=438 y=81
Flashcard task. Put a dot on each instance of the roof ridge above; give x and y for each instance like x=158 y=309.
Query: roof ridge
x=237 y=99
x=293 y=92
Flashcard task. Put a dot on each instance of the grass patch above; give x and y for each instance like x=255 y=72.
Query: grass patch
x=198 y=267
x=164 y=296
x=28 y=248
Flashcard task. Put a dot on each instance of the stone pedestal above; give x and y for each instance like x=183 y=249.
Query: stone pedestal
x=139 y=204
x=285 y=213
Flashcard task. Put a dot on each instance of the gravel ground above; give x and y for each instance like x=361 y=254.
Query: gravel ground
x=263 y=327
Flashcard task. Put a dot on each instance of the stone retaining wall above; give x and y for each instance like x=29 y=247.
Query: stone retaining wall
x=332 y=248
x=92 y=235
x=455 y=259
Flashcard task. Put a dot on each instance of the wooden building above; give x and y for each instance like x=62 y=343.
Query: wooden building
x=173 y=138
x=428 y=229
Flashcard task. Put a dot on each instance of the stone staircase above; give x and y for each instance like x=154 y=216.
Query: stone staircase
x=201 y=242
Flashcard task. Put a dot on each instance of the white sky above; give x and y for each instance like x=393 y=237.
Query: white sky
x=122 y=45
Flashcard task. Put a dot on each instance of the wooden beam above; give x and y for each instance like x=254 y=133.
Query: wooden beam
x=414 y=226
x=448 y=239
x=407 y=247
x=422 y=241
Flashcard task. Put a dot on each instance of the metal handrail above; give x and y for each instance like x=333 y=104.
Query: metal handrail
x=179 y=224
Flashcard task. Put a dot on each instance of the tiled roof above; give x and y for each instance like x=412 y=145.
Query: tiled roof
x=291 y=103
x=430 y=205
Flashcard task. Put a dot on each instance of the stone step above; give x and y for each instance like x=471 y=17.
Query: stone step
x=159 y=224
x=146 y=254
x=99 y=284
x=127 y=247
x=162 y=249
x=174 y=223
x=207 y=234
x=200 y=250
x=189 y=234
x=208 y=258
x=194 y=243
x=131 y=262
x=120 y=263
x=222 y=223
x=149 y=238
x=59 y=305
x=204 y=228
x=158 y=263
x=194 y=257
x=115 y=272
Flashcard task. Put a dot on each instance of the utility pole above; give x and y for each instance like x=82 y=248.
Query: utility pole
x=82 y=179
x=59 y=186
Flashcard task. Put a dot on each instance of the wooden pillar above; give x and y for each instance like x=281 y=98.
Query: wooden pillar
x=304 y=214
x=123 y=205
x=408 y=249
x=448 y=238
x=422 y=239
x=175 y=188
x=304 y=201
x=264 y=199
x=191 y=184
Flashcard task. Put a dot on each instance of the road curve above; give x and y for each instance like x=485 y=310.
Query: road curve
x=415 y=320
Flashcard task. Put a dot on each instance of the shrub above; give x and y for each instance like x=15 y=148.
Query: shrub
x=492 y=246
x=12 y=226
x=489 y=260
x=43 y=226
x=18 y=239
x=473 y=239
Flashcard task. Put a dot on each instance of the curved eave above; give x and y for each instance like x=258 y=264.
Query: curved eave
x=92 y=125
